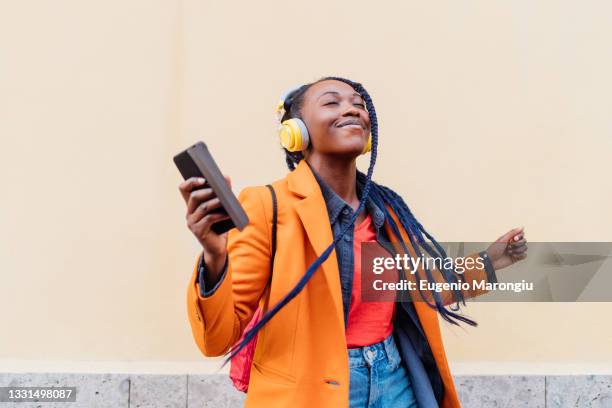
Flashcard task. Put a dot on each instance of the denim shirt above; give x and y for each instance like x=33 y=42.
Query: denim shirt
x=340 y=213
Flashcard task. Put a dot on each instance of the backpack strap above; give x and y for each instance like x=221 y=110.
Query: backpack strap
x=274 y=222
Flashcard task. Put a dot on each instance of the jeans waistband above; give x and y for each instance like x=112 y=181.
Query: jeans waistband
x=384 y=350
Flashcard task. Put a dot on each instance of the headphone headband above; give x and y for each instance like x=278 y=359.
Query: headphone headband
x=280 y=107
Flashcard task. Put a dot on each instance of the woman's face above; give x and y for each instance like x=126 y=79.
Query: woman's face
x=337 y=120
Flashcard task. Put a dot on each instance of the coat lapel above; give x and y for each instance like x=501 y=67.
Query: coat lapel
x=428 y=320
x=311 y=210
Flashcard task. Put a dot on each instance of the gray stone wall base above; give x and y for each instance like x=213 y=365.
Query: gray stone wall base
x=216 y=390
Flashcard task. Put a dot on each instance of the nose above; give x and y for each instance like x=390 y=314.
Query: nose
x=351 y=111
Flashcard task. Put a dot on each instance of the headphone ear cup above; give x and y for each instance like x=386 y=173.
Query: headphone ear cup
x=368 y=145
x=294 y=135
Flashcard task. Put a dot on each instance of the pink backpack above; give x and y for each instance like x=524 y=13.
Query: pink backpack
x=240 y=365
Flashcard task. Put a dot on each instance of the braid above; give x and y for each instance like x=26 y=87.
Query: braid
x=415 y=230
x=383 y=196
x=290 y=162
x=291 y=159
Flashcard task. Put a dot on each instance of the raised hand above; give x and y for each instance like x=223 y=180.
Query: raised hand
x=508 y=249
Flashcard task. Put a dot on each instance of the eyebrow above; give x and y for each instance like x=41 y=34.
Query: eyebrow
x=338 y=93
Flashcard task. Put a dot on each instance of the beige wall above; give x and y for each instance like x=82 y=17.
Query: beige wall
x=504 y=107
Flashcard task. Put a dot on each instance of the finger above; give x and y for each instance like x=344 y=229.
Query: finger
x=188 y=185
x=520 y=256
x=519 y=250
x=204 y=208
x=513 y=247
x=197 y=197
x=228 y=180
x=509 y=235
x=203 y=226
x=518 y=243
x=518 y=235
x=191 y=183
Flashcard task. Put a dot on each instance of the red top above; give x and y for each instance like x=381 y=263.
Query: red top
x=368 y=322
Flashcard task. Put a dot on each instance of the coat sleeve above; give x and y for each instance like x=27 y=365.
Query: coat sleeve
x=217 y=320
x=205 y=289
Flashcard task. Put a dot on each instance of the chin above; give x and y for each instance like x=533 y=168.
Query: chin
x=352 y=151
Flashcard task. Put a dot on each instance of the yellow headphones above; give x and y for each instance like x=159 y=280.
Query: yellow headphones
x=293 y=132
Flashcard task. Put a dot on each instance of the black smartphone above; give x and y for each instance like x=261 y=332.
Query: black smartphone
x=196 y=161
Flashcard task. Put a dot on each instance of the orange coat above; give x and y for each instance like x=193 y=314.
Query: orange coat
x=301 y=356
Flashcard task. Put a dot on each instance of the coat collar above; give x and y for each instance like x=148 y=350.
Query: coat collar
x=298 y=185
x=301 y=180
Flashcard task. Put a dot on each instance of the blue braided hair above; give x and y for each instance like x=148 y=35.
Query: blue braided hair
x=382 y=196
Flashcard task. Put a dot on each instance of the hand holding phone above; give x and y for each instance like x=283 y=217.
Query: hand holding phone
x=212 y=208
x=202 y=213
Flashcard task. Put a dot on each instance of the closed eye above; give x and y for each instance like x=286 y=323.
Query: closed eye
x=358 y=104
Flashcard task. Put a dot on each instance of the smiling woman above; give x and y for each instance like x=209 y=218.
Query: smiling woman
x=319 y=343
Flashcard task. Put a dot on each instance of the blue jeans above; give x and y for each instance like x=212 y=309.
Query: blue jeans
x=378 y=378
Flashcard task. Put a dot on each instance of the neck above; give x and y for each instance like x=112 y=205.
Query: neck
x=340 y=174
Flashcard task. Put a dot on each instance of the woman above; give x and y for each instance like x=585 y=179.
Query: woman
x=317 y=334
